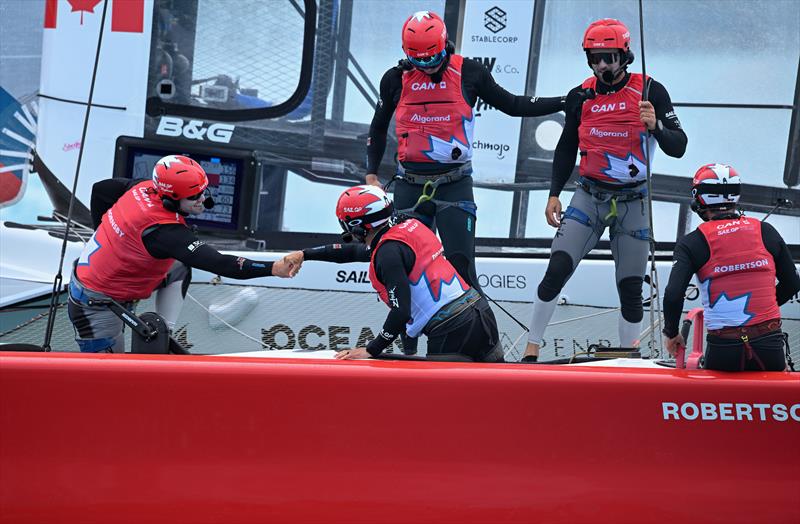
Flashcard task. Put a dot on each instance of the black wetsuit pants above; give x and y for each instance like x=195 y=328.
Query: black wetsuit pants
x=454 y=218
x=725 y=354
x=472 y=333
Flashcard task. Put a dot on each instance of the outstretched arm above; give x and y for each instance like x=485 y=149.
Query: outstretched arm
x=178 y=242
x=485 y=87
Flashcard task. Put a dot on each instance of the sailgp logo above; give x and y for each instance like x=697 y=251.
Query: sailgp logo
x=422 y=119
x=604 y=134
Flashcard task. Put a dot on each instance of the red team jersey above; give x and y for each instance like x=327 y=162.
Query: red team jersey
x=434 y=281
x=737 y=284
x=115 y=261
x=434 y=122
x=611 y=136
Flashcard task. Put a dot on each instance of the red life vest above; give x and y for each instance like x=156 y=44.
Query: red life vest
x=434 y=123
x=611 y=136
x=433 y=279
x=737 y=284
x=115 y=261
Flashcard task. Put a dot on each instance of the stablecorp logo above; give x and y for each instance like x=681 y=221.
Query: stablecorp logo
x=495 y=20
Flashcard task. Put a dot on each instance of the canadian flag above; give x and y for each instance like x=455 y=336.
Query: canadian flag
x=127 y=16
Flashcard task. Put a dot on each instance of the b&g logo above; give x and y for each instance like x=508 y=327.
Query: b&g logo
x=494 y=19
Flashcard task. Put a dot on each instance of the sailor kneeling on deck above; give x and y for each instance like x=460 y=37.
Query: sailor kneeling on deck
x=408 y=269
x=142 y=243
x=737 y=260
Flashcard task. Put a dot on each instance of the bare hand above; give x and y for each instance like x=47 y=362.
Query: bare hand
x=354 y=353
x=647 y=114
x=295 y=261
x=372 y=180
x=281 y=268
x=674 y=344
x=552 y=212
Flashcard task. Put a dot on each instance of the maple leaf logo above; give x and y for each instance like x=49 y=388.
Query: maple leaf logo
x=442 y=150
x=83 y=6
x=437 y=287
x=632 y=166
x=420 y=15
x=732 y=311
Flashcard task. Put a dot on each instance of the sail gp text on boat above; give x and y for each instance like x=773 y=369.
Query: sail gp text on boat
x=730 y=411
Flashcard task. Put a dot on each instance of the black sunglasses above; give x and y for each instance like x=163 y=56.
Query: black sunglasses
x=198 y=196
x=608 y=58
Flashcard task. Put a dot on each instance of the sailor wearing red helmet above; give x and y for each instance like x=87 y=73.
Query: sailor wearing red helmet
x=614 y=130
x=737 y=260
x=413 y=277
x=140 y=233
x=431 y=94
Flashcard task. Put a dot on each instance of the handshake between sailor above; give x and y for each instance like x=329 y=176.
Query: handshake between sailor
x=291 y=263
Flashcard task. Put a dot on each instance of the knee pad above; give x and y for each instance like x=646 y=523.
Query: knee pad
x=630 y=298
x=558 y=271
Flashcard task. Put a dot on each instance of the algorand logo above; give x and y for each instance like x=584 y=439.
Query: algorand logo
x=195 y=129
x=423 y=119
x=604 y=134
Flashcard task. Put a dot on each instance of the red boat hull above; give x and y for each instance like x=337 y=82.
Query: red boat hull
x=102 y=438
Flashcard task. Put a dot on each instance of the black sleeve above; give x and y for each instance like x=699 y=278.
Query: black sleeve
x=105 y=193
x=178 y=242
x=567 y=149
x=785 y=271
x=338 y=253
x=494 y=95
x=391 y=85
x=691 y=252
x=671 y=139
x=393 y=263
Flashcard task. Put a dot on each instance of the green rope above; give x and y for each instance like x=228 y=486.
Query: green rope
x=613 y=212
x=424 y=197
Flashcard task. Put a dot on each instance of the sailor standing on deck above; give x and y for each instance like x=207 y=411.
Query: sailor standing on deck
x=614 y=130
x=431 y=95
x=408 y=269
x=135 y=247
x=736 y=259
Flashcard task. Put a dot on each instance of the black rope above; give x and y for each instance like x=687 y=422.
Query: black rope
x=653 y=272
x=58 y=280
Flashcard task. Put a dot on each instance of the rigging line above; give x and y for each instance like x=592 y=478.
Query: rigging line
x=732 y=106
x=260 y=343
x=649 y=178
x=590 y=315
x=78 y=102
x=57 y=281
x=512 y=317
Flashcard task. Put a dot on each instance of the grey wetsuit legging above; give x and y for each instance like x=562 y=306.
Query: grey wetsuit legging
x=625 y=213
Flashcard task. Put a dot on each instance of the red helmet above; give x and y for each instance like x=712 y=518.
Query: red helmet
x=608 y=33
x=715 y=185
x=362 y=208
x=177 y=176
x=424 y=39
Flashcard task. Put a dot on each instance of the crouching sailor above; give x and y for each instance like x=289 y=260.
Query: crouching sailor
x=408 y=269
x=736 y=260
x=141 y=232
